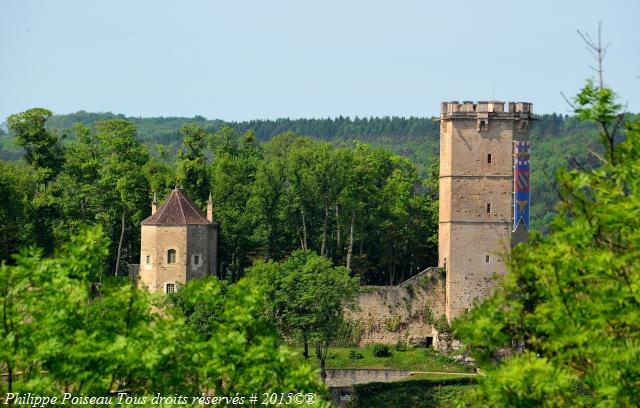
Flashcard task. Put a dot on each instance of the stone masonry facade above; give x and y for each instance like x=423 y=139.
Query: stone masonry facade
x=476 y=195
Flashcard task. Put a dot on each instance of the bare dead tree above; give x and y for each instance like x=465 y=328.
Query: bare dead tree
x=598 y=51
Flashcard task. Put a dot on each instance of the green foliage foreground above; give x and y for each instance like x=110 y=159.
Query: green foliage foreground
x=59 y=333
x=571 y=302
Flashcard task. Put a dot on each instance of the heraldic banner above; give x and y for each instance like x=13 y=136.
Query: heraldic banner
x=521 y=180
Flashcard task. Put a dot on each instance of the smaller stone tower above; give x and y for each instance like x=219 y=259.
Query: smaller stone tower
x=178 y=243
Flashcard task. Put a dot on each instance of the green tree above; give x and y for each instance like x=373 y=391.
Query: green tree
x=233 y=173
x=160 y=172
x=306 y=297
x=269 y=190
x=302 y=197
x=192 y=167
x=122 y=177
x=78 y=190
x=16 y=189
x=42 y=148
x=44 y=154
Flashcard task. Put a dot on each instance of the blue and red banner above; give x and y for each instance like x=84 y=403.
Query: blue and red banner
x=521 y=180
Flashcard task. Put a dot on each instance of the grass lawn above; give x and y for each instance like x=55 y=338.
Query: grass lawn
x=414 y=359
x=433 y=376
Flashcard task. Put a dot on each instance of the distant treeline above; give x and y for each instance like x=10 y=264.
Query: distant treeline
x=167 y=130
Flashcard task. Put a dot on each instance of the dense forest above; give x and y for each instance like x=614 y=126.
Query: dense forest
x=558 y=141
x=363 y=207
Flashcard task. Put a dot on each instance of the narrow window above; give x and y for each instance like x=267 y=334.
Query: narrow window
x=171 y=287
x=196 y=259
x=488 y=208
x=148 y=259
x=171 y=256
x=486 y=258
x=489 y=158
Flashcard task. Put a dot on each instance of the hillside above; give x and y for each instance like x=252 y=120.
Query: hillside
x=557 y=141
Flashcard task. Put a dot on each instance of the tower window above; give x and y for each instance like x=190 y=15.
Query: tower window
x=171 y=256
x=148 y=259
x=171 y=288
x=489 y=158
x=196 y=259
x=488 y=208
x=486 y=258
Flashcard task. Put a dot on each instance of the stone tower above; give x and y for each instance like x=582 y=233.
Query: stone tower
x=477 y=194
x=178 y=243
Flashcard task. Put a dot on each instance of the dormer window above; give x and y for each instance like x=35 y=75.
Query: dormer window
x=171 y=256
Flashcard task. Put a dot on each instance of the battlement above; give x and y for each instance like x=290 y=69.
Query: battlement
x=496 y=109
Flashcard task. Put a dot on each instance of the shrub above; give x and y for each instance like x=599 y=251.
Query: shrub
x=393 y=324
x=356 y=332
x=428 y=315
x=381 y=350
x=442 y=325
x=402 y=345
x=355 y=355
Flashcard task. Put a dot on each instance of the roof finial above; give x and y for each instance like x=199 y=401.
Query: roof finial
x=154 y=203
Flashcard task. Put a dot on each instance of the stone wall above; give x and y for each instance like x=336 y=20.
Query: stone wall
x=201 y=243
x=196 y=254
x=345 y=377
x=155 y=243
x=406 y=312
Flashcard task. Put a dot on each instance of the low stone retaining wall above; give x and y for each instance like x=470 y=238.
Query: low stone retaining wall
x=346 y=377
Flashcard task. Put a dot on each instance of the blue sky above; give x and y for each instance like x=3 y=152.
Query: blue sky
x=238 y=60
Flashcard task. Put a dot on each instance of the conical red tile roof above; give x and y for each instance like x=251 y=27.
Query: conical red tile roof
x=177 y=209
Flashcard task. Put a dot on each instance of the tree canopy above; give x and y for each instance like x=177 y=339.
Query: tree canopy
x=306 y=296
x=359 y=206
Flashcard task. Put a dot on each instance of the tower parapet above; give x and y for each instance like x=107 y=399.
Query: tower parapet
x=496 y=109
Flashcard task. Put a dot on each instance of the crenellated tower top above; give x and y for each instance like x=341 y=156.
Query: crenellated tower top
x=484 y=111
x=469 y=109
